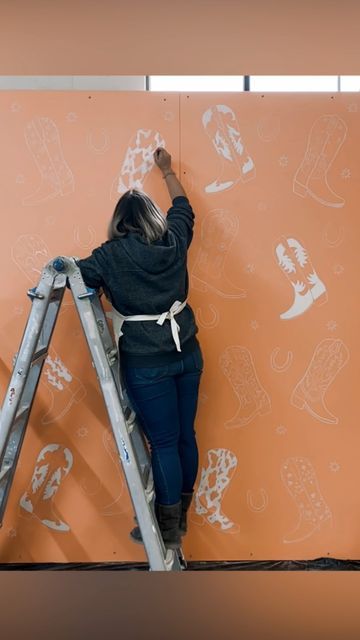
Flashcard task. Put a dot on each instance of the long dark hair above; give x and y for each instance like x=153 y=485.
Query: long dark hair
x=136 y=212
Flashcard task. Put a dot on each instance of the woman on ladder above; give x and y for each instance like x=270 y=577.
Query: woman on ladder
x=142 y=269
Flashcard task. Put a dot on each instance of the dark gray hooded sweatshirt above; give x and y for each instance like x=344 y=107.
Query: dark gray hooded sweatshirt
x=141 y=278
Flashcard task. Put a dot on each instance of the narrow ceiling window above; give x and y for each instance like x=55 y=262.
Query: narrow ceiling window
x=294 y=83
x=349 y=83
x=196 y=83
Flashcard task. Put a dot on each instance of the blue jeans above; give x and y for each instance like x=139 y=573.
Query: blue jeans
x=165 y=400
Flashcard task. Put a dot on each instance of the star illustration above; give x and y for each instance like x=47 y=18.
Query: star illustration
x=338 y=269
x=283 y=161
x=82 y=432
x=281 y=430
x=352 y=108
x=331 y=325
x=71 y=116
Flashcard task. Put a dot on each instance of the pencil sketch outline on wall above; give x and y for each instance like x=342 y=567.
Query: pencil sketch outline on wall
x=280 y=368
x=30 y=253
x=254 y=505
x=42 y=138
x=208 y=324
x=268 y=127
x=299 y=478
x=93 y=146
x=221 y=126
x=324 y=141
x=218 y=231
x=65 y=388
x=86 y=246
x=237 y=365
x=339 y=236
x=329 y=357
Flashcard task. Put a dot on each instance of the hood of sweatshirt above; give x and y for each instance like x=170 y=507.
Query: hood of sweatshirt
x=154 y=258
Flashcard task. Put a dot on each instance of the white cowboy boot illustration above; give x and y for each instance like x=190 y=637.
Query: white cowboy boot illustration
x=299 y=478
x=138 y=161
x=52 y=466
x=325 y=139
x=238 y=366
x=221 y=126
x=66 y=389
x=218 y=232
x=316 y=286
x=215 y=479
x=302 y=294
x=43 y=141
x=329 y=357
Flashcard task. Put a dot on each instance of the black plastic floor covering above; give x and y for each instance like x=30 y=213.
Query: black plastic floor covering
x=318 y=564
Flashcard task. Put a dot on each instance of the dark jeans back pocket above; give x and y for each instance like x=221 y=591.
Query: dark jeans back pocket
x=198 y=359
x=146 y=375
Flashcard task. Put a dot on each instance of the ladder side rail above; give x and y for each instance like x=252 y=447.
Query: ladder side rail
x=25 y=377
x=135 y=431
x=153 y=543
x=28 y=346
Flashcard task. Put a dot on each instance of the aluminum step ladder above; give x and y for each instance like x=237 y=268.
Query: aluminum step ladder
x=133 y=451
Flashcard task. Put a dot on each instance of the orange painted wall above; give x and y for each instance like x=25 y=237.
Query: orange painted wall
x=273 y=267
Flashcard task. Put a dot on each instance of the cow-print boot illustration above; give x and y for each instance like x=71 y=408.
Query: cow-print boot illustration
x=214 y=481
x=52 y=466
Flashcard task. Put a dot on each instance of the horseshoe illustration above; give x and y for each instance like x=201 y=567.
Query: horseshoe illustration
x=84 y=245
x=339 y=237
x=283 y=367
x=95 y=148
x=257 y=507
x=213 y=322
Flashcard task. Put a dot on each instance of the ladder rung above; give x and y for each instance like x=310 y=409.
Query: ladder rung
x=22 y=410
x=39 y=355
x=56 y=294
x=130 y=421
x=4 y=471
x=149 y=491
x=33 y=293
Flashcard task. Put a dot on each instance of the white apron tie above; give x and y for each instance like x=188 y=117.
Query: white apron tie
x=118 y=319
